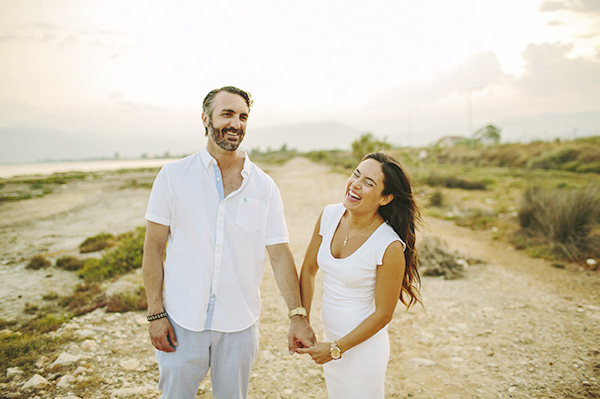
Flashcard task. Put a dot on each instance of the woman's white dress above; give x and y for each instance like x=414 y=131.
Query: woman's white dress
x=348 y=299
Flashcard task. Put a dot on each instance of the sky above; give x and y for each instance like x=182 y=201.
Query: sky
x=130 y=75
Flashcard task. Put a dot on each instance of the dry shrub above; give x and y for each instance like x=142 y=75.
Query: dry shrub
x=565 y=219
x=85 y=298
x=38 y=262
x=97 y=243
x=69 y=263
x=455 y=182
x=127 y=301
x=436 y=260
x=436 y=198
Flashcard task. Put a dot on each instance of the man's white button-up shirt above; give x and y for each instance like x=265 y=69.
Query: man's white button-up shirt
x=216 y=247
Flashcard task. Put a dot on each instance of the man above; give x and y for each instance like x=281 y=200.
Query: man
x=215 y=211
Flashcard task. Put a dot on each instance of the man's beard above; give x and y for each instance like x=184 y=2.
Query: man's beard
x=218 y=136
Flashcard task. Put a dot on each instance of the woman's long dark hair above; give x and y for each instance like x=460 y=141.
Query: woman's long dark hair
x=403 y=215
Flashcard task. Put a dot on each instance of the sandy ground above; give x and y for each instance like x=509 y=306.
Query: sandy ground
x=513 y=327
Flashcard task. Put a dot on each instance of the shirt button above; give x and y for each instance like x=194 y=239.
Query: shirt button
x=218 y=179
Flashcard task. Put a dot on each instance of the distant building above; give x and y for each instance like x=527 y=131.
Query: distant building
x=450 y=141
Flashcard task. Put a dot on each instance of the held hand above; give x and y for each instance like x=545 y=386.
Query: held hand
x=162 y=335
x=319 y=352
x=300 y=335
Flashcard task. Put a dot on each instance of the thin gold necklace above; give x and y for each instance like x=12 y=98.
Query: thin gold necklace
x=355 y=235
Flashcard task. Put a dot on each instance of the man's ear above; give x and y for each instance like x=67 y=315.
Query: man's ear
x=205 y=119
x=386 y=199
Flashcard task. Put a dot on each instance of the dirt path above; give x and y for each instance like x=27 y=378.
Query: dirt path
x=514 y=327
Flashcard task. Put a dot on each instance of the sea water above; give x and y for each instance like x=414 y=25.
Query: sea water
x=48 y=168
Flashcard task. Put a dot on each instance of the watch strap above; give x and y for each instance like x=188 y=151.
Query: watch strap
x=299 y=311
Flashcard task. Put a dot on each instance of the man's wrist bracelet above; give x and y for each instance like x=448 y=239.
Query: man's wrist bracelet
x=157 y=316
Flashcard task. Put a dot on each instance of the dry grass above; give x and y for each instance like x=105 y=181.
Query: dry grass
x=97 y=243
x=38 y=262
x=563 y=220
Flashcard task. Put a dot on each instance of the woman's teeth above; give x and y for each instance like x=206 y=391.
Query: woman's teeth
x=352 y=195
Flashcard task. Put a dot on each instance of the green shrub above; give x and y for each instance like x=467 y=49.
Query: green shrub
x=553 y=159
x=578 y=155
x=589 y=167
x=366 y=144
x=51 y=296
x=477 y=219
x=69 y=263
x=340 y=161
x=23 y=349
x=126 y=256
x=134 y=183
x=45 y=323
x=563 y=218
x=4 y=324
x=38 y=262
x=30 y=308
x=97 y=243
x=454 y=182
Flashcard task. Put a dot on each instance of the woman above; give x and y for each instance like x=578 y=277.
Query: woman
x=365 y=247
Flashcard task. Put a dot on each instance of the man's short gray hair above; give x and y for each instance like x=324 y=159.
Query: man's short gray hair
x=209 y=101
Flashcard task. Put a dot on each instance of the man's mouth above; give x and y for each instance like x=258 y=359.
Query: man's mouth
x=233 y=132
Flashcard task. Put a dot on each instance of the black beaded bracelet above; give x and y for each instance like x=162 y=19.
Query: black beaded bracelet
x=157 y=316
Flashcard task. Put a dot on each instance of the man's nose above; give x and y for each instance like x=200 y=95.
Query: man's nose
x=235 y=123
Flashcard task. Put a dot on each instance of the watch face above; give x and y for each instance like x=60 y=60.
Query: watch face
x=335 y=353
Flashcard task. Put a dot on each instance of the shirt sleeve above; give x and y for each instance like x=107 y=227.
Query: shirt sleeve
x=277 y=232
x=330 y=212
x=159 y=208
x=385 y=243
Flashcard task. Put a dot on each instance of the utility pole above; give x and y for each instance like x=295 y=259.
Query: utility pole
x=470 y=114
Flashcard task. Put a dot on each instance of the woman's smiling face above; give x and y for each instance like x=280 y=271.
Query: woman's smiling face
x=365 y=187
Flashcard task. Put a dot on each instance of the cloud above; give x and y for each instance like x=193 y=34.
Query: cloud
x=550 y=72
x=479 y=71
x=119 y=99
x=108 y=41
x=116 y=96
x=555 y=93
x=577 y=6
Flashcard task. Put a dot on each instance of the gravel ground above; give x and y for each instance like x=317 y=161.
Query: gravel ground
x=513 y=327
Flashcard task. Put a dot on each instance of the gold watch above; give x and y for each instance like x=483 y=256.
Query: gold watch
x=299 y=311
x=335 y=351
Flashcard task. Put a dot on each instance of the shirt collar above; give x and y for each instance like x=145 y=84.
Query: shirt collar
x=208 y=160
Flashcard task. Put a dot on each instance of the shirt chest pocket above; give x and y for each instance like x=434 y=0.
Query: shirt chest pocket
x=251 y=214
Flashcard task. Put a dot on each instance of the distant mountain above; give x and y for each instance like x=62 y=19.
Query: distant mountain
x=24 y=145
x=27 y=145
x=302 y=137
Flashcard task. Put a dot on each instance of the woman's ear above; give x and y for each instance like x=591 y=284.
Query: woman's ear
x=386 y=199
